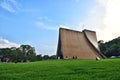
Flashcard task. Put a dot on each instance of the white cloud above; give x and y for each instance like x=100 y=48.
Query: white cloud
x=45 y=18
x=102 y=2
x=64 y=26
x=9 y=5
x=104 y=18
x=76 y=1
x=7 y=44
x=94 y=19
x=46 y=49
x=111 y=20
x=42 y=25
x=47 y=23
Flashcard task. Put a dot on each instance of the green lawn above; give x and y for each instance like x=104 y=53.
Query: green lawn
x=107 y=69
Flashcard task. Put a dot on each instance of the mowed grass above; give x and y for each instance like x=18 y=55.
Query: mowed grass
x=107 y=69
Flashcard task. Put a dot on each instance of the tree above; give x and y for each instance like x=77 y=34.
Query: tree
x=45 y=57
x=23 y=53
x=28 y=52
x=111 y=48
x=53 y=57
x=39 y=57
x=100 y=42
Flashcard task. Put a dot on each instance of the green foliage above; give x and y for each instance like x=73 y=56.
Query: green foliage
x=5 y=52
x=111 y=48
x=45 y=57
x=28 y=52
x=107 y=69
x=53 y=57
x=23 y=53
x=39 y=57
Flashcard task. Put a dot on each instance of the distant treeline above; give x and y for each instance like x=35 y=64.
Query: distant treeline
x=111 y=48
x=45 y=57
x=24 y=53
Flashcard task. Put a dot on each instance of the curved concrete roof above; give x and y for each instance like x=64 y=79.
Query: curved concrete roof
x=75 y=44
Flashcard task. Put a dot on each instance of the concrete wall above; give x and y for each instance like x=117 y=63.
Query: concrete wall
x=80 y=45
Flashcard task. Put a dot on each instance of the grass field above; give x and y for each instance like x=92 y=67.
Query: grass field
x=108 y=69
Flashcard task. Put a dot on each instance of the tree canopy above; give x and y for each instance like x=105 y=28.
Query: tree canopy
x=21 y=54
x=111 y=48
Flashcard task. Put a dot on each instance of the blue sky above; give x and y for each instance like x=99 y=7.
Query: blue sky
x=37 y=22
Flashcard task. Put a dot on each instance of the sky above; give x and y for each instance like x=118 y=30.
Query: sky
x=37 y=22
